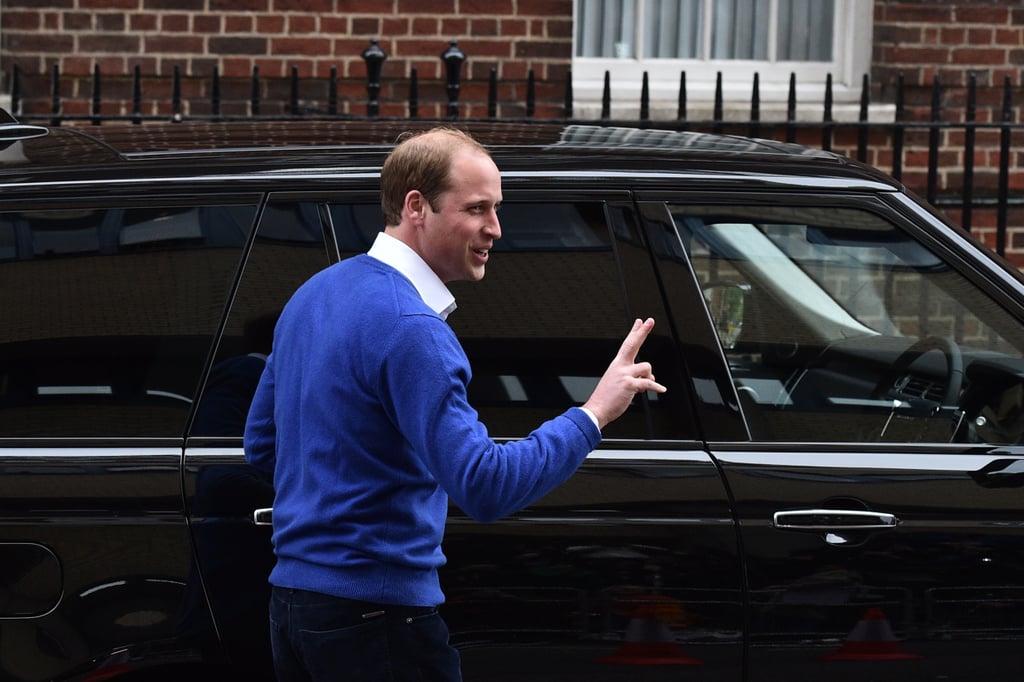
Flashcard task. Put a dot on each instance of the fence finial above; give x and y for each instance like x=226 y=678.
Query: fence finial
x=453 y=58
x=374 y=57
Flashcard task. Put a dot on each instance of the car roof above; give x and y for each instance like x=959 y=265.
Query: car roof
x=189 y=148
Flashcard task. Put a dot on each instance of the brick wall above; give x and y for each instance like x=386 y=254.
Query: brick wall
x=279 y=36
x=953 y=41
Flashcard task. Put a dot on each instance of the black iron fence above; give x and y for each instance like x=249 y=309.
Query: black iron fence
x=932 y=134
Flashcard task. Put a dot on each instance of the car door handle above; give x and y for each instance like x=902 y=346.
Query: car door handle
x=833 y=520
x=263 y=517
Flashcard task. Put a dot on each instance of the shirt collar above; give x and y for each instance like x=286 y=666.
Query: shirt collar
x=401 y=257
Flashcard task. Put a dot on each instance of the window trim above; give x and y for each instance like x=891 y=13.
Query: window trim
x=852 y=59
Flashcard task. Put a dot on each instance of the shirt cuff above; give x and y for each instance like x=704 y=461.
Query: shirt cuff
x=593 y=418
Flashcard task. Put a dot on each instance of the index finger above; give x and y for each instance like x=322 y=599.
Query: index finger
x=635 y=339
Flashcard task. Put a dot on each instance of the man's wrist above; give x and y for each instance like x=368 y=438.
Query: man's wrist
x=593 y=417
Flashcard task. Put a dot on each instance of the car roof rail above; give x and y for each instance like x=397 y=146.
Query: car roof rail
x=12 y=131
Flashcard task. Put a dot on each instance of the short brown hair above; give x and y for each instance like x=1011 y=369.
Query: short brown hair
x=421 y=161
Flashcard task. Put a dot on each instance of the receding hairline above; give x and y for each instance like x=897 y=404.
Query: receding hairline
x=447 y=136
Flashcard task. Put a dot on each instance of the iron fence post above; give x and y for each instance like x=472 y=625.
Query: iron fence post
x=453 y=58
x=374 y=57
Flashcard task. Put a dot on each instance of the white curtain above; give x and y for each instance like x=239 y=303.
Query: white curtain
x=675 y=29
x=805 y=30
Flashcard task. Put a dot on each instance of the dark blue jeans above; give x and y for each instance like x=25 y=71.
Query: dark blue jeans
x=316 y=637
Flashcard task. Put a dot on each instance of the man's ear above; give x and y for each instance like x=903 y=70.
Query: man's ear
x=416 y=205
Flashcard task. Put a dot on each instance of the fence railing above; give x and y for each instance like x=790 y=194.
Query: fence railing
x=859 y=137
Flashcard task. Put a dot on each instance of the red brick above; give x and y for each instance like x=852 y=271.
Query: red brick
x=393 y=28
x=979 y=55
x=142 y=22
x=242 y=23
x=76 y=21
x=239 y=5
x=512 y=27
x=15 y=20
x=306 y=6
x=376 y=7
x=177 y=23
x=486 y=7
x=174 y=5
x=269 y=23
x=1012 y=37
x=366 y=26
x=975 y=14
x=433 y=7
x=557 y=28
x=298 y=24
x=424 y=26
x=901 y=12
x=916 y=55
x=303 y=46
x=207 y=23
x=544 y=8
x=236 y=67
x=174 y=45
x=238 y=45
x=483 y=27
x=108 y=4
x=526 y=49
x=108 y=43
x=456 y=28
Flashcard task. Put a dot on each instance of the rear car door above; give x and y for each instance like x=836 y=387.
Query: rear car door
x=109 y=311
x=229 y=502
x=879 y=372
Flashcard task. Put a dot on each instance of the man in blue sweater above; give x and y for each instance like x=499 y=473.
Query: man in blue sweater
x=361 y=415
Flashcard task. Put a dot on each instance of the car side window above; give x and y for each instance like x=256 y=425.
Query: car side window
x=545 y=321
x=288 y=248
x=840 y=326
x=109 y=314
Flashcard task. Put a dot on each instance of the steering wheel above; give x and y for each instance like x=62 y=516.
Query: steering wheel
x=954 y=367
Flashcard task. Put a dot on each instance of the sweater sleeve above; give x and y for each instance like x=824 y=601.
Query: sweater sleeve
x=425 y=375
x=260 y=430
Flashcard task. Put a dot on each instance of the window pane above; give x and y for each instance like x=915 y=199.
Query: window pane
x=542 y=326
x=805 y=30
x=840 y=327
x=672 y=29
x=109 y=315
x=289 y=248
x=739 y=29
x=605 y=28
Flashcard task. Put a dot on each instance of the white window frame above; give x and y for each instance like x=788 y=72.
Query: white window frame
x=852 y=47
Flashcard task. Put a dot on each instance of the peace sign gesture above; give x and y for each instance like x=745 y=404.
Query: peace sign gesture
x=624 y=378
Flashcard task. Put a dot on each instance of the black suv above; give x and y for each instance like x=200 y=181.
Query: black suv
x=830 y=490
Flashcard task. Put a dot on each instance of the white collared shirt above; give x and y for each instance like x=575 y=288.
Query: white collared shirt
x=401 y=257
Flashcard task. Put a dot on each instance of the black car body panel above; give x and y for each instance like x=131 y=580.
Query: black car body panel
x=830 y=489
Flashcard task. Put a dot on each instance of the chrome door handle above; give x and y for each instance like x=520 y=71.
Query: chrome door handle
x=833 y=520
x=263 y=517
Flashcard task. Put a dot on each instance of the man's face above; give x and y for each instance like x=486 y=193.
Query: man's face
x=460 y=234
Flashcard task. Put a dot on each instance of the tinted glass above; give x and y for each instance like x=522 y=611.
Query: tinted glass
x=543 y=324
x=839 y=326
x=289 y=248
x=109 y=313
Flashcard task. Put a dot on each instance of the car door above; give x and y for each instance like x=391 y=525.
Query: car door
x=878 y=373
x=108 y=314
x=630 y=569
x=229 y=502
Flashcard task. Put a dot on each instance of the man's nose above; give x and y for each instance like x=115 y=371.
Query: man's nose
x=494 y=225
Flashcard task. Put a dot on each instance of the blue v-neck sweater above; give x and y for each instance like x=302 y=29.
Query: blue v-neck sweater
x=361 y=414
